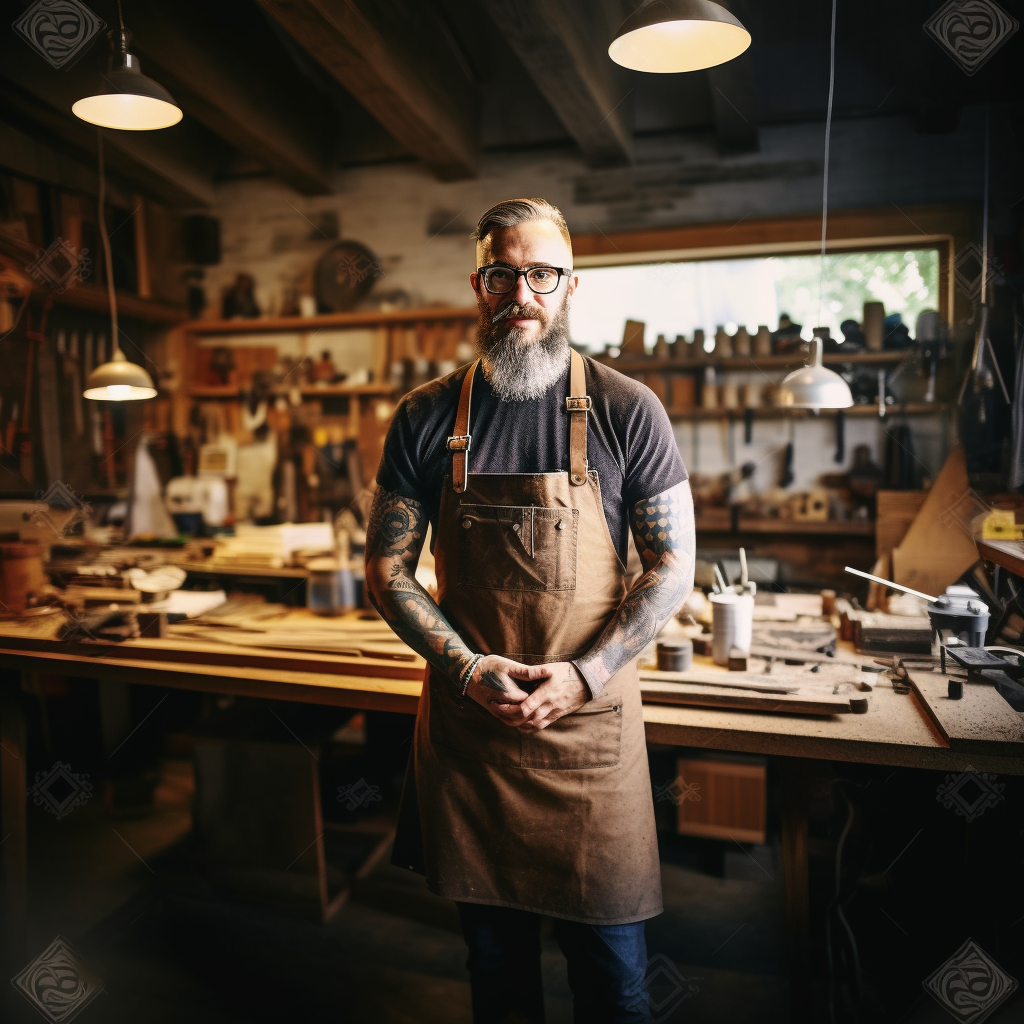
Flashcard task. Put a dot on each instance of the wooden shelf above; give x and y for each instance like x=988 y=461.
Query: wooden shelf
x=720 y=521
x=648 y=364
x=210 y=392
x=771 y=412
x=303 y=324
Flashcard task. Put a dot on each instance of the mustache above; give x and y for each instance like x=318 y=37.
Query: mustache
x=514 y=309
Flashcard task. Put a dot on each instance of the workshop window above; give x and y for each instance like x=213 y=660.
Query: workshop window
x=677 y=297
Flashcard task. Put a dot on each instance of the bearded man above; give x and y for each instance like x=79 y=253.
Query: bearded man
x=528 y=790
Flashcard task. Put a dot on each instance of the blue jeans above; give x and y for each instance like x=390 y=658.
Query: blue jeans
x=606 y=965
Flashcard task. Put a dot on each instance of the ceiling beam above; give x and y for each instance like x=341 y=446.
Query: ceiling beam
x=238 y=101
x=173 y=165
x=572 y=77
x=431 y=125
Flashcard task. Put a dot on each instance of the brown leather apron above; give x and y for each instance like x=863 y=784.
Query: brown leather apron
x=559 y=821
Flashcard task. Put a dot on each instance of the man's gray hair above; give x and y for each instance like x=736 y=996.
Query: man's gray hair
x=517 y=211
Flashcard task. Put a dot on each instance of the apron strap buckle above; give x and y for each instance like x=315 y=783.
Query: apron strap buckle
x=459 y=445
x=583 y=403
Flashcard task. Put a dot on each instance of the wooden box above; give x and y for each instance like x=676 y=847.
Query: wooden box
x=721 y=799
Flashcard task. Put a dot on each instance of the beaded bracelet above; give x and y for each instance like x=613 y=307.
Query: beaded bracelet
x=467 y=673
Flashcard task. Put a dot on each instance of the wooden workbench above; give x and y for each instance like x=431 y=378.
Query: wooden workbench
x=922 y=729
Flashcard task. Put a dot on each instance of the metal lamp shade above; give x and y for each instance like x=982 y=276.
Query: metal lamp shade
x=813 y=386
x=129 y=100
x=669 y=36
x=119 y=381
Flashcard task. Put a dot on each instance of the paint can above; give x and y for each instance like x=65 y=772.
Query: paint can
x=732 y=624
x=676 y=656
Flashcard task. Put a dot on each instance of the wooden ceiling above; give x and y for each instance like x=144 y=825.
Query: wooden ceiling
x=299 y=88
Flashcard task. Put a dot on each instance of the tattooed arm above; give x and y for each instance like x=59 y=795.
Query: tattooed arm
x=665 y=539
x=394 y=539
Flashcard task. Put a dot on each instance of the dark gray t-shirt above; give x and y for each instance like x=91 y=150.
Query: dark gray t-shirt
x=629 y=440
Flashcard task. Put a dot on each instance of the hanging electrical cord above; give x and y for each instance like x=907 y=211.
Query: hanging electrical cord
x=108 y=261
x=828 y=141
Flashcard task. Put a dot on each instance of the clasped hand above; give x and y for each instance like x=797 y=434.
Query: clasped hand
x=495 y=686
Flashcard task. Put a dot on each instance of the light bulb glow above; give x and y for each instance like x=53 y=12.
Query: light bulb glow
x=669 y=47
x=127 y=111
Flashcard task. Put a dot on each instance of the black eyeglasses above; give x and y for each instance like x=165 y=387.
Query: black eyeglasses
x=500 y=280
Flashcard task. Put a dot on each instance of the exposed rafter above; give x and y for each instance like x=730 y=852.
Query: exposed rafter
x=433 y=126
x=564 y=67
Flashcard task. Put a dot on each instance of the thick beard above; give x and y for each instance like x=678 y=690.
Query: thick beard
x=520 y=369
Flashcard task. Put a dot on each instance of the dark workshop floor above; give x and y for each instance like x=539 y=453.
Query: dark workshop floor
x=390 y=955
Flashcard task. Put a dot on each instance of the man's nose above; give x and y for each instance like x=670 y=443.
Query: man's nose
x=522 y=292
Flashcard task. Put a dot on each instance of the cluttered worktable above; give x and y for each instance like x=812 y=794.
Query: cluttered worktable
x=354 y=661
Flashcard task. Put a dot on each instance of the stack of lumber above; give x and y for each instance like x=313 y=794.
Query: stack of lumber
x=829 y=690
x=271 y=547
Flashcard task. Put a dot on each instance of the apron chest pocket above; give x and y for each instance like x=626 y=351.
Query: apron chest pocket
x=588 y=738
x=517 y=547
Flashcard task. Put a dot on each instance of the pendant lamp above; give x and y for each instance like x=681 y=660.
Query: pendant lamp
x=668 y=36
x=127 y=99
x=813 y=386
x=118 y=380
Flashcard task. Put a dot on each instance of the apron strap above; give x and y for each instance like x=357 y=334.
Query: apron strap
x=578 y=404
x=459 y=443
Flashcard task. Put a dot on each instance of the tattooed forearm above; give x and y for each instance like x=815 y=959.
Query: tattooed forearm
x=394 y=538
x=665 y=539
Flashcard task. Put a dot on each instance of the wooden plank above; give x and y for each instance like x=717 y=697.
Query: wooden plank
x=937 y=549
x=547 y=40
x=802 y=702
x=350 y=47
x=313 y=324
x=171 y=651
x=373 y=693
x=981 y=721
x=711 y=677
x=845 y=227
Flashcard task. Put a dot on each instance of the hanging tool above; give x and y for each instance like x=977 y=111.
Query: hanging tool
x=748 y=425
x=49 y=411
x=72 y=372
x=787 y=460
x=840 y=456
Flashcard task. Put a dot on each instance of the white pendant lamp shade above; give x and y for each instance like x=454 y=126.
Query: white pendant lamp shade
x=128 y=100
x=813 y=386
x=119 y=381
x=669 y=36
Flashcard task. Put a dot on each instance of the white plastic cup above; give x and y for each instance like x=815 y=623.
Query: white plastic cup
x=732 y=624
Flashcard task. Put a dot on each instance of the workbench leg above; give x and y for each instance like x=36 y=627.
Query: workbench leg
x=13 y=824
x=795 y=801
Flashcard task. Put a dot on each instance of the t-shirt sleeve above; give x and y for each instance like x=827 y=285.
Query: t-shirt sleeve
x=400 y=468
x=653 y=462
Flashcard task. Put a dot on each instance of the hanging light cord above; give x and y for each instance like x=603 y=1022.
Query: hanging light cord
x=108 y=261
x=828 y=136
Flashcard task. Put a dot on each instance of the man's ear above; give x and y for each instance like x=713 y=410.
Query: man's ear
x=474 y=282
x=572 y=285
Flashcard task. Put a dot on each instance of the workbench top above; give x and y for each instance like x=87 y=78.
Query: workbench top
x=923 y=728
